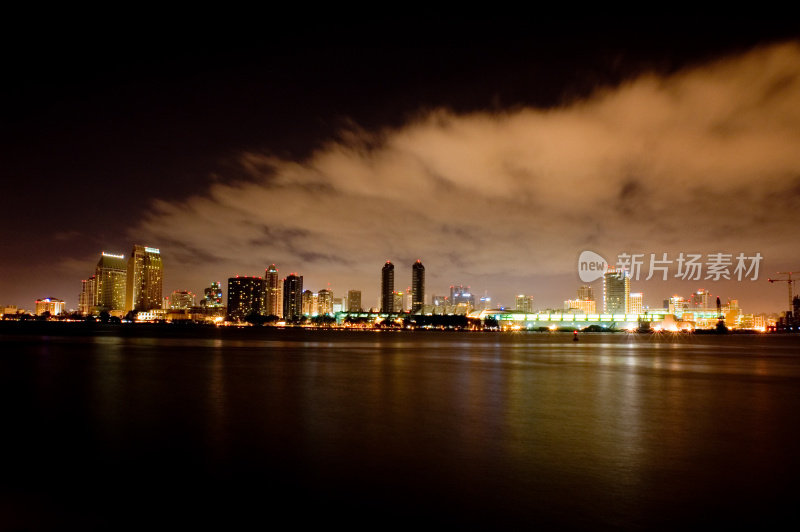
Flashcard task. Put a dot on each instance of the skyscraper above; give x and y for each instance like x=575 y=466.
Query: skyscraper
x=387 y=287
x=272 y=300
x=354 y=301
x=293 y=297
x=110 y=277
x=245 y=296
x=308 y=303
x=524 y=303
x=586 y=293
x=635 y=303
x=144 y=279
x=88 y=296
x=417 y=286
x=462 y=299
x=212 y=296
x=616 y=291
x=325 y=301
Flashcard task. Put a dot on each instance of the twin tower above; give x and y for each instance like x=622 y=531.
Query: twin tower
x=417 y=288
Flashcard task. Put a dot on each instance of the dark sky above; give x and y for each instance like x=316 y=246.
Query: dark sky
x=136 y=134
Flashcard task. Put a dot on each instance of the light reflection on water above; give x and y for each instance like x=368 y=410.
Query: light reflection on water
x=613 y=430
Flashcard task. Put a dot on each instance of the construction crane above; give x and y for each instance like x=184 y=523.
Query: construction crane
x=789 y=282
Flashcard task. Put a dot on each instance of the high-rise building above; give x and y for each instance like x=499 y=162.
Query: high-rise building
x=417 y=287
x=293 y=297
x=616 y=291
x=354 y=301
x=273 y=300
x=397 y=304
x=325 y=301
x=486 y=302
x=87 y=299
x=702 y=300
x=144 y=279
x=308 y=303
x=636 y=303
x=524 y=303
x=213 y=296
x=462 y=299
x=53 y=305
x=181 y=299
x=586 y=293
x=245 y=297
x=110 y=276
x=387 y=287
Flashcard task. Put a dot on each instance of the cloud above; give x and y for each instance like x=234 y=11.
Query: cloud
x=702 y=160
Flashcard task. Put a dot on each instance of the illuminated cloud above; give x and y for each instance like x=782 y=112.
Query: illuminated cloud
x=704 y=160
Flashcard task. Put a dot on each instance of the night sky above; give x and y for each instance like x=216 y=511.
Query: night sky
x=493 y=151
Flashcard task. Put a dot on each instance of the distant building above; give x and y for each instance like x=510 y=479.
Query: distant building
x=338 y=305
x=486 y=302
x=635 y=303
x=354 y=301
x=397 y=303
x=325 y=301
x=676 y=305
x=52 y=305
x=273 y=299
x=462 y=299
x=87 y=299
x=524 y=303
x=245 y=296
x=181 y=299
x=110 y=283
x=586 y=293
x=308 y=303
x=212 y=297
x=387 y=287
x=417 y=286
x=293 y=297
x=145 y=277
x=584 y=306
x=616 y=290
x=702 y=300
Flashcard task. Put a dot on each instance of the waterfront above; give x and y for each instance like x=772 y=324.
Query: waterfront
x=377 y=429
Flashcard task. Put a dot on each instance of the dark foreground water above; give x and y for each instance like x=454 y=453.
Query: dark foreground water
x=380 y=430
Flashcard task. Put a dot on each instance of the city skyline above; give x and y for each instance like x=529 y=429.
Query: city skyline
x=495 y=168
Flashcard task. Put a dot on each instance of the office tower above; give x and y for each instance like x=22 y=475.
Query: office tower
x=110 y=282
x=293 y=297
x=524 y=303
x=586 y=293
x=145 y=278
x=308 y=303
x=52 y=305
x=325 y=301
x=486 y=302
x=461 y=298
x=245 y=296
x=87 y=297
x=338 y=304
x=636 y=303
x=417 y=286
x=354 y=301
x=273 y=300
x=387 y=288
x=213 y=296
x=616 y=291
x=181 y=299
